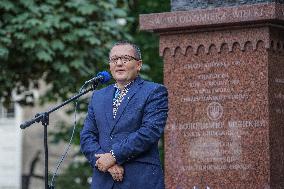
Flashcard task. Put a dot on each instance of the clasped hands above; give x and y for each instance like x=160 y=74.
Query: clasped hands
x=106 y=162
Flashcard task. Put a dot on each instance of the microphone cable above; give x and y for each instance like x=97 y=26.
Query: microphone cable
x=105 y=78
x=67 y=148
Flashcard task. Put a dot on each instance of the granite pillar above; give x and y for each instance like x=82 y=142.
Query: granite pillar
x=224 y=69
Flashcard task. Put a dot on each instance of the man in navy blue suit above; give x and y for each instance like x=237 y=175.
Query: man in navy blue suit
x=123 y=126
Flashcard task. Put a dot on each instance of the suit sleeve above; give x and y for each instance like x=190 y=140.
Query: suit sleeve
x=89 y=136
x=153 y=123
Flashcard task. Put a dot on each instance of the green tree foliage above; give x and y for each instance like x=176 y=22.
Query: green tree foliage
x=61 y=42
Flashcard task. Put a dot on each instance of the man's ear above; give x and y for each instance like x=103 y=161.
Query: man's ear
x=140 y=65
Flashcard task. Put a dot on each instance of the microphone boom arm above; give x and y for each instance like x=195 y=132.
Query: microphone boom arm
x=41 y=117
x=44 y=119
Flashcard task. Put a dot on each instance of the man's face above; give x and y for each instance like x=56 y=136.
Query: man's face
x=124 y=68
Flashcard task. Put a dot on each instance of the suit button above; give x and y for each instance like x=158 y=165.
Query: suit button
x=111 y=137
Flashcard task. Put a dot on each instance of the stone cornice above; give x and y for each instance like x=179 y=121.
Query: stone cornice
x=246 y=14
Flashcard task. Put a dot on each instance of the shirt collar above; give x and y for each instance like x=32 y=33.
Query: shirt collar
x=127 y=86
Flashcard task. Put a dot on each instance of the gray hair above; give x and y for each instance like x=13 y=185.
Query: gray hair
x=137 y=52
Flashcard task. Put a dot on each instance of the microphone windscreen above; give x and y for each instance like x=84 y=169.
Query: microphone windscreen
x=105 y=75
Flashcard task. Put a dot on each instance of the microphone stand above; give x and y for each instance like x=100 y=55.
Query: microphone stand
x=44 y=119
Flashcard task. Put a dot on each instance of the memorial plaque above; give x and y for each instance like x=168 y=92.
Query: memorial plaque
x=226 y=93
x=219 y=114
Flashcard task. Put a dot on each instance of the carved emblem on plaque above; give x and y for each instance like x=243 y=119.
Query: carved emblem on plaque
x=214 y=111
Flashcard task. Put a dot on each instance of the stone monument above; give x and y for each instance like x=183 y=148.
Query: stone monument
x=224 y=70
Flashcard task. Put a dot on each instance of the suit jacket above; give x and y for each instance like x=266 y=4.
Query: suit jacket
x=133 y=135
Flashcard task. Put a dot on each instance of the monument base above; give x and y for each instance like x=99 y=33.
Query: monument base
x=225 y=75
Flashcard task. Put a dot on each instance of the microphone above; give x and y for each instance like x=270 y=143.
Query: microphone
x=102 y=77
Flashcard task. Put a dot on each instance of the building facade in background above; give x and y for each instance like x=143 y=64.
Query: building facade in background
x=10 y=147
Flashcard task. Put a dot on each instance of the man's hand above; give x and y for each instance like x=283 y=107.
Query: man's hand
x=105 y=161
x=116 y=172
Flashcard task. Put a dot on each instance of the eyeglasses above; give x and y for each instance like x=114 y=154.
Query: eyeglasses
x=125 y=59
